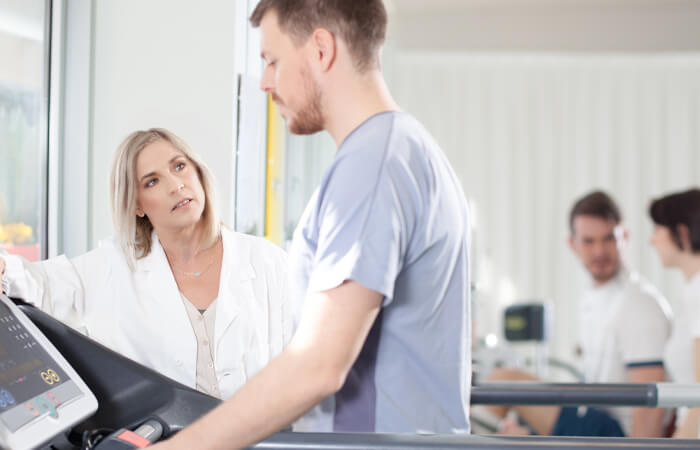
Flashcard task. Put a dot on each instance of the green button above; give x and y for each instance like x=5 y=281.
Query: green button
x=45 y=406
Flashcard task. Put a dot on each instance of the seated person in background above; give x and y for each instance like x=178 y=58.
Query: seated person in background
x=624 y=323
x=174 y=290
x=677 y=240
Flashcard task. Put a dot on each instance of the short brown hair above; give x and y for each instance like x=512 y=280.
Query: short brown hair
x=680 y=208
x=360 y=23
x=596 y=204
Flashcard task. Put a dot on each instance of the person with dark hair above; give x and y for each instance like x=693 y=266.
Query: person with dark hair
x=676 y=238
x=379 y=259
x=597 y=235
x=623 y=321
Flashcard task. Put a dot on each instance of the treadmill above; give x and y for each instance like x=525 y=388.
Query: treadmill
x=95 y=398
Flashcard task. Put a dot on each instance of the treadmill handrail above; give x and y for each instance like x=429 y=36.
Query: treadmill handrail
x=567 y=394
x=650 y=395
x=372 y=441
x=674 y=395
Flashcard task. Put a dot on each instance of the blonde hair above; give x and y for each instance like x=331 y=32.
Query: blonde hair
x=133 y=232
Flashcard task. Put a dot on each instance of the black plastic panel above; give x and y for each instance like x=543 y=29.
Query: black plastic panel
x=127 y=392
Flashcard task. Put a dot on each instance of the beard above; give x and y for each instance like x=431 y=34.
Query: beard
x=604 y=275
x=309 y=118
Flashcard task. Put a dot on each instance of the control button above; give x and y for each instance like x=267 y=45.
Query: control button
x=205 y=342
x=33 y=410
x=7 y=397
x=210 y=365
x=178 y=362
x=52 y=397
x=45 y=406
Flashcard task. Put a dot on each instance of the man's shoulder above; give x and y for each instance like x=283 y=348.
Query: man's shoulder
x=388 y=149
x=391 y=133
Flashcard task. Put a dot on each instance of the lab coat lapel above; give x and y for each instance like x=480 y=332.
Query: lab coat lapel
x=163 y=300
x=236 y=288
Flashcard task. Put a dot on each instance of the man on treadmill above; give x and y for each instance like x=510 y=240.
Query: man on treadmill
x=379 y=260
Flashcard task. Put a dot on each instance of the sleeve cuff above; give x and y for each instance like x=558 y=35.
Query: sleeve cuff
x=14 y=273
x=5 y=285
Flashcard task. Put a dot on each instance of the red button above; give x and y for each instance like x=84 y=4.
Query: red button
x=134 y=439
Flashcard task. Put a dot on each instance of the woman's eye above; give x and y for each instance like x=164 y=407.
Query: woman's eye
x=151 y=183
x=180 y=166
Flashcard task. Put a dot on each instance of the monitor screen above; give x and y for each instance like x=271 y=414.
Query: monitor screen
x=32 y=383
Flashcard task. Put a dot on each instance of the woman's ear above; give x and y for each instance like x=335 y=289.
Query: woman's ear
x=694 y=232
x=684 y=237
x=139 y=212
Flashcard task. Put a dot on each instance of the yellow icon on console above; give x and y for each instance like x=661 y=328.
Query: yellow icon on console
x=54 y=375
x=50 y=377
x=47 y=378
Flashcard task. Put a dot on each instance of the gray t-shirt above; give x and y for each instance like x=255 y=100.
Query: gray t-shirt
x=390 y=215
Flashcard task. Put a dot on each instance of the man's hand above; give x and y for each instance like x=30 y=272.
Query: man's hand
x=164 y=445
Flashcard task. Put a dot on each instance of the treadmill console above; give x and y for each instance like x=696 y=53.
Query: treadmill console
x=40 y=394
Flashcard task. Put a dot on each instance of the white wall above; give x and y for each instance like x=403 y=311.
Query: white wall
x=161 y=63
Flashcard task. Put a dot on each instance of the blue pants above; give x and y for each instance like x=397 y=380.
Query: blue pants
x=595 y=422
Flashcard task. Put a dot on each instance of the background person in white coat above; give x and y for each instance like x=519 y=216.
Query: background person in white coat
x=174 y=290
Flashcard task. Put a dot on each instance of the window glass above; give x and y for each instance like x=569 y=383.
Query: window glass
x=23 y=129
x=306 y=159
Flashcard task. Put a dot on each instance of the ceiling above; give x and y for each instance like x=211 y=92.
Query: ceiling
x=548 y=25
x=409 y=6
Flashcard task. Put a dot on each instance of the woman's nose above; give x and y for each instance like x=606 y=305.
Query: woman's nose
x=176 y=186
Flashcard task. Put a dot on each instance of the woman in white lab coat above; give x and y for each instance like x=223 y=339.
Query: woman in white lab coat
x=677 y=241
x=174 y=290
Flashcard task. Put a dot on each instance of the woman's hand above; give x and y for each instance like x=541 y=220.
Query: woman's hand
x=2 y=274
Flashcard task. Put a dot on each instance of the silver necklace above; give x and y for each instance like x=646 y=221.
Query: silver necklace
x=199 y=273
x=196 y=274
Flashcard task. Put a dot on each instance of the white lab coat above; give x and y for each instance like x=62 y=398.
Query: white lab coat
x=141 y=315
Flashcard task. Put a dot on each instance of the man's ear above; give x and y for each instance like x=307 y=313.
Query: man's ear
x=571 y=243
x=622 y=235
x=325 y=48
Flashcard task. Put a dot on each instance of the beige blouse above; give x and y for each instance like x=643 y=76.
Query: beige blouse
x=203 y=327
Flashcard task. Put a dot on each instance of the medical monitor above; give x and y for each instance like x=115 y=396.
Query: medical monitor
x=40 y=394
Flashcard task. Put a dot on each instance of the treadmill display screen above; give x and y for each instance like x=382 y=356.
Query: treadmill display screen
x=32 y=384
